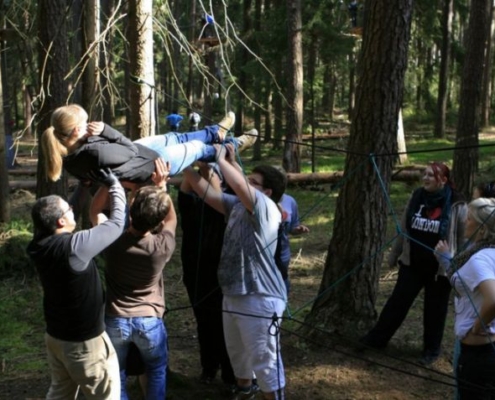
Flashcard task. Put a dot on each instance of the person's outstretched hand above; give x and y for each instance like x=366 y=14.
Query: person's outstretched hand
x=162 y=172
x=105 y=176
x=442 y=250
x=300 y=229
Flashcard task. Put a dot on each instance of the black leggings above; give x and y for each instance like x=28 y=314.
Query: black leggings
x=410 y=281
x=476 y=372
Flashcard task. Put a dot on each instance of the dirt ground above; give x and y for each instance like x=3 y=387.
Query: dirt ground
x=315 y=371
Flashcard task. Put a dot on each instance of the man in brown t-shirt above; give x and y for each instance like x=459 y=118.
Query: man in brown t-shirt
x=135 y=294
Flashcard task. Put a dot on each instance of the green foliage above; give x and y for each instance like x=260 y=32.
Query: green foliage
x=14 y=261
x=21 y=330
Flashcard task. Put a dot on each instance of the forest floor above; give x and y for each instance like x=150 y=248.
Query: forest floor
x=318 y=371
x=329 y=370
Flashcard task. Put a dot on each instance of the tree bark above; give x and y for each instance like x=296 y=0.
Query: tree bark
x=142 y=96
x=190 y=71
x=244 y=80
x=53 y=66
x=355 y=250
x=4 y=176
x=466 y=152
x=292 y=151
x=91 y=81
x=443 y=81
x=486 y=98
x=106 y=61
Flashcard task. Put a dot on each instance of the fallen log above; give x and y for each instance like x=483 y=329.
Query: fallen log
x=317 y=178
x=325 y=136
x=22 y=171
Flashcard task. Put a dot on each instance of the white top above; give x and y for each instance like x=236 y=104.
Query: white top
x=194 y=117
x=468 y=300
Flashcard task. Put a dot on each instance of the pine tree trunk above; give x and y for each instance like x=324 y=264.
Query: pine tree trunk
x=91 y=32
x=487 y=81
x=4 y=176
x=142 y=96
x=292 y=151
x=466 y=152
x=106 y=61
x=443 y=79
x=53 y=65
x=348 y=289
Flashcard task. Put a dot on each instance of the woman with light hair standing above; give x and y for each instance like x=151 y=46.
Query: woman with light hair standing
x=472 y=275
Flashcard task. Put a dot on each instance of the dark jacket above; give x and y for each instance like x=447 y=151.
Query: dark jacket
x=129 y=161
x=401 y=249
x=73 y=296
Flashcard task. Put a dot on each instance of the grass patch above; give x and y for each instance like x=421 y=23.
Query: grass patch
x=21 y=331
x=22 y=327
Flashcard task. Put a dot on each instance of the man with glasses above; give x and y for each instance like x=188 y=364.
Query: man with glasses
x=80 y=354
x=254 y=293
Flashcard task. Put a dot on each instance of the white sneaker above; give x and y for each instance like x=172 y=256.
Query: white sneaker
x=247 y=140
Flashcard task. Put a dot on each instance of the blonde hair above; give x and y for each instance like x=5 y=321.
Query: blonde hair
x=482 y=210
x=56 y=138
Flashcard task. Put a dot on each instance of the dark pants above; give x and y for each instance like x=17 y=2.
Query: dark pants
x=476 y=372
x=206 y=299
x=436 y=298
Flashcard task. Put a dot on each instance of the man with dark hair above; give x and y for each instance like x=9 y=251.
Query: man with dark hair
x=174 y=119
x=80 y=354
x=254 y=293
x=134 y=277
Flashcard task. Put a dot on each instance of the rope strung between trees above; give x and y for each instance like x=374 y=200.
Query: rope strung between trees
x=371 y=158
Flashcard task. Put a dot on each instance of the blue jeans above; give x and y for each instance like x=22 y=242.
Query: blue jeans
x=150 y=336
x=181 y=150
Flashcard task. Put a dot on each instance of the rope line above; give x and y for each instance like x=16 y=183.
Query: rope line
x=275 y=327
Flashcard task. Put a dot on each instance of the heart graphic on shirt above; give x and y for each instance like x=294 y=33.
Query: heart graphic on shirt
x=435 y=213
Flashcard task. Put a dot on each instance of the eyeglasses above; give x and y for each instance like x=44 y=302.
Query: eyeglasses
x=254 y=182
x=66 y=211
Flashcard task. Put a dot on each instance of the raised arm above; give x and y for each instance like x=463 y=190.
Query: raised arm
x=203 y=189
x=88 y=243
x=235 y=178
x=99 y=203
x=207 y=172
x=160 y=178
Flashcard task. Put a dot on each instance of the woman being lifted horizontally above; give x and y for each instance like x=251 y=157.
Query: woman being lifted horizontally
x=434 y=212
x=80 y=147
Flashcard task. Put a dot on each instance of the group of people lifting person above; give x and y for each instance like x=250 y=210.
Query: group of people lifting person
x=445 y=243
x=136 y=248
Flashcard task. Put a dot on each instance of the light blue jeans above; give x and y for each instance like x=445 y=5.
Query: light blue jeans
x=150 y=337
x=183 y=149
